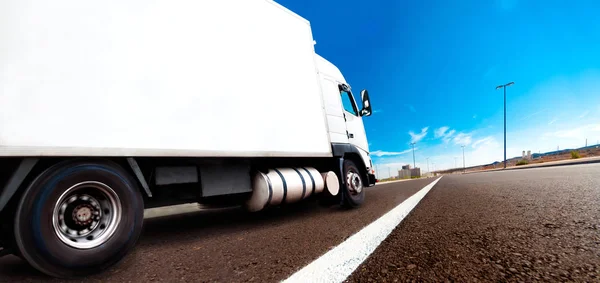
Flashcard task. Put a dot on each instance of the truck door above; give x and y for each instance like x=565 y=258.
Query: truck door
x=354 y=124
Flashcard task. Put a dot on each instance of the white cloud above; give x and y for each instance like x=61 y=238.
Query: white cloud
x=483 y=142
x=484 y=151
x=439 y=132
x=552 y=121
x=442 y=132
x=532 y=114
x=393 y=164
x=418 y=137
x=539 y=139
x=576 y=133
x=380 y=153
x=377 y=111
x=567 y=132
x=462 y=139
x=584 y=114
x=411 y=108
x=449 y=136
x=487 y=150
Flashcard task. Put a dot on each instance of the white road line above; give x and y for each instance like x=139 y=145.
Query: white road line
x=337 y=264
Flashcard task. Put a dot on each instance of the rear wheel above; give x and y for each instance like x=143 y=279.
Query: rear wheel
x=353 y=189
x=78 y=218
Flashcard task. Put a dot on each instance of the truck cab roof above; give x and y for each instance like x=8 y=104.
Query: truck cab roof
x=329 y=69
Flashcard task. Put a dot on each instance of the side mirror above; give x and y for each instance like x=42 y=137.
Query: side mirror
x=366 y=110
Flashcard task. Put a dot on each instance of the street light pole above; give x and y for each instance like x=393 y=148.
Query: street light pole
x=414 y=162
x=427 y=164
x=463 y=147
x=504 y=87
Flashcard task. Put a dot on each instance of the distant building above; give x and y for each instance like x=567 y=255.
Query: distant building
x=527 y=155
x=404 y=173
x=415 y=172
x=407 y=172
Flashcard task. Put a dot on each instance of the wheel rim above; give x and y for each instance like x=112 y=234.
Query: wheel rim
x=354 y=182
x=86 y=215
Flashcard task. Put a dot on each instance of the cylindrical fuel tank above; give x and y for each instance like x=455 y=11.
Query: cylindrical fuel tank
x=284 y=185
x=332 y=183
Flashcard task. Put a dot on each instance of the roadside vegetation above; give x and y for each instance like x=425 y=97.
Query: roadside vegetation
x=575 y=154
x=522 y=162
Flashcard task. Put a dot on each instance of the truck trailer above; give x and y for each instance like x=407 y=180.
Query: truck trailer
x=109 y=108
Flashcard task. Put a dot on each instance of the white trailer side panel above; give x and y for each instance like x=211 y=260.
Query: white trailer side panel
x=158 y=78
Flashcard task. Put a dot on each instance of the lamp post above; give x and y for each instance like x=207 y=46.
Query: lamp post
x=504 y=87
x=414 y=162
x=463 y=148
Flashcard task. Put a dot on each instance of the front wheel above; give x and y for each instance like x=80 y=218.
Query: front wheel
x=353 y=189
x=78 y=218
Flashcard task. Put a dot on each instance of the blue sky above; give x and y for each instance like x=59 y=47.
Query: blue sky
x=431 y=68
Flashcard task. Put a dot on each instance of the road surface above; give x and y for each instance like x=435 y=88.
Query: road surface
x=529 y=225
x=538 y=224
x=234 y=246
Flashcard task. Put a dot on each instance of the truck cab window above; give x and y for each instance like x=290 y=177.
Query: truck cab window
x=347 y=102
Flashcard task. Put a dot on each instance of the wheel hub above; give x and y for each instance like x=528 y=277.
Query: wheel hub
x=86 y=215
x=83 y=214
x=354 y=182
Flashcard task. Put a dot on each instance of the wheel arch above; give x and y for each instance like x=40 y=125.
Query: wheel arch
x=351 y=152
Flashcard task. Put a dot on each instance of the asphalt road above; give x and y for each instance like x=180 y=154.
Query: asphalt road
x=235 y=246
x=539 y=224
x=529 y=225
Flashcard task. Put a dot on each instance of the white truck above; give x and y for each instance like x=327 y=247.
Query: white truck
x=111 y=107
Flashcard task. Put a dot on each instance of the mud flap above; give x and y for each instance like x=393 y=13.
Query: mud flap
x=342 y=181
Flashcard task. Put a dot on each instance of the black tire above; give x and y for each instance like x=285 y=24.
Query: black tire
x=352 y=198
x=37 y=237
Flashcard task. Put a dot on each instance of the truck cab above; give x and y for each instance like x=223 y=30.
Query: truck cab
x=344 y=116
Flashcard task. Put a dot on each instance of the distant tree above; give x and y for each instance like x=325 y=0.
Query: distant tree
x=522 y=162
x=575 y=154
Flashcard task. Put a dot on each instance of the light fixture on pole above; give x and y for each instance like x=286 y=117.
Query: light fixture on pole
x=504 y=87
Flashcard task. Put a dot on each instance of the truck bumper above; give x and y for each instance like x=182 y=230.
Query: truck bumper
x=372 y=180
